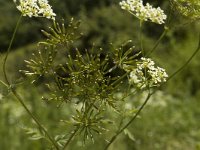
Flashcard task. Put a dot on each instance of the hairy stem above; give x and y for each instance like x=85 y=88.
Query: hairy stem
x=15 y=92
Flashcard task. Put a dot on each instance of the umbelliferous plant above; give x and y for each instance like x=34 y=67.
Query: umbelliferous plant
x=189 y=9
x=88 y=81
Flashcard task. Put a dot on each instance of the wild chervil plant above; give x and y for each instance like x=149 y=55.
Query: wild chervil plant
x=87 y=77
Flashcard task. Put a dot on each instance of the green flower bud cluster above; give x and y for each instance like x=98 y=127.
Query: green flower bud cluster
x=187 y=8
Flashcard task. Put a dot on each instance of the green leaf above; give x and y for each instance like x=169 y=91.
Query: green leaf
x=129 y=134
x=34 y=134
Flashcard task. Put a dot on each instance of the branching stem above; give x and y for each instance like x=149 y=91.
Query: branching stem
x=149 y=95
x=77 y=128
x=15 y=92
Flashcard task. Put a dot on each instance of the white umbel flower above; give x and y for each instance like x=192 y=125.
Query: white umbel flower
x=144 y=13
x=35 y=8
x=146 y=74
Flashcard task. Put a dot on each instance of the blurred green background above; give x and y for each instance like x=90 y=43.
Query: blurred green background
x=171 y=121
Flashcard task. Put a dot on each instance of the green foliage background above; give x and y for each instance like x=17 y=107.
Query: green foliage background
x=169 y=122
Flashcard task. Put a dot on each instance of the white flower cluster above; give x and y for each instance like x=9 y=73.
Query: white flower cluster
x=35 y=8
x=146 y=74
x=145 y=13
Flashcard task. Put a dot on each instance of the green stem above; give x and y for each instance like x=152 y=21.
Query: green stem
x=166 y=29
x=8 y=50
x=3 y=83
x=149 y=95
x=77 y=128
x=158 y=41
x=120 y=79
x=15 y=92
x=71 y=137
x=141 y=37
x=131 y=121
x=187 y=62
x=34 y=118
x=111 y=69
